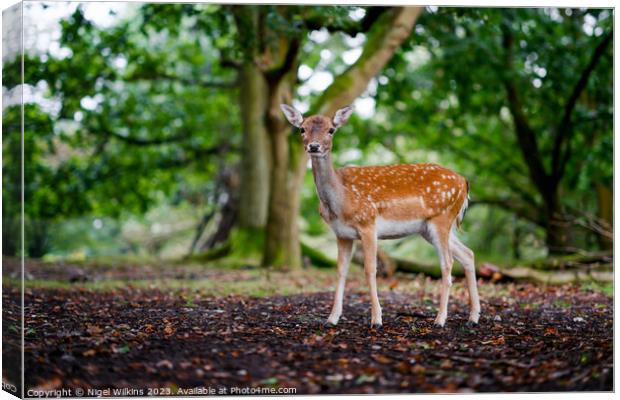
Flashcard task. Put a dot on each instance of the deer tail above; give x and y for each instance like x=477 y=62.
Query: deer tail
x=463 y=210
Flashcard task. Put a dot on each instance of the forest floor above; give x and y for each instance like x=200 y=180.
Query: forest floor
x=238 y=331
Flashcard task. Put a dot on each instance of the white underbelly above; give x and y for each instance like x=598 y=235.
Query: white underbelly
x=386 y=229
x=394 y=229
x=343 y=230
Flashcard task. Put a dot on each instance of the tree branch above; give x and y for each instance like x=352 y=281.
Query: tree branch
x=504 y=169
x=275 y=75
x=230 y=63
x=525 y=134
x=512 y=206
x=372 y=14
x=386 y=34
x=564 y=130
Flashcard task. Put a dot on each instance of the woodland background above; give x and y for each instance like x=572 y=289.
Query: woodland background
x=156 y=131
x=172 y=232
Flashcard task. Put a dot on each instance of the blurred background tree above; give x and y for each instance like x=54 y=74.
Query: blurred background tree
x=537 y=82
x=163 y=131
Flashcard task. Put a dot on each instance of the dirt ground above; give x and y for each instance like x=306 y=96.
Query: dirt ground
x=185 y=341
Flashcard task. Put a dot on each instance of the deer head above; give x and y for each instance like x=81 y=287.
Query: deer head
x=317 y=131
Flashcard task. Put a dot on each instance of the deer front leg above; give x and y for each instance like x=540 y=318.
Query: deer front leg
x=345 y=247
x=369 y=244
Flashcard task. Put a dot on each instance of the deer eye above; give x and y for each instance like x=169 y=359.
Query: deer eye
x=302 y=130
x=331 y=131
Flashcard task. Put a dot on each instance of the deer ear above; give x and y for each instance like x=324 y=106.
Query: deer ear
x=293 y=116
x=342 y=116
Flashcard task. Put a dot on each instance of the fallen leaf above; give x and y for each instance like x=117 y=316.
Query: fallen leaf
x=93 y=330
x=168 y=330
x=50 y=384
x=550 y=331
x=496 y=342
x=164 y=364
x=418 y=369
x=364 y=379
x=381 y=359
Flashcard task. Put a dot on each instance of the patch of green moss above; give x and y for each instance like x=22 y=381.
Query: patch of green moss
x=606 y=288
x=562 y=303
x=247 y=242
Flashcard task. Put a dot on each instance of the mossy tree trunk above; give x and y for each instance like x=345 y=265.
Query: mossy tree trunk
x=282 y=246
x=605 y=198
x=255 y=152
x=267 y=79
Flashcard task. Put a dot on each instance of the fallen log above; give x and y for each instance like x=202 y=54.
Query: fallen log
x=432 y=270
x=590 y=267
x=601 y=258
x=591 y=274
x=315 y=258
x=601 y=273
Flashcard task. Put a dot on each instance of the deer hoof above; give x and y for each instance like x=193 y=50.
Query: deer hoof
x=376 y=326
x=440 y=321
x=329 y=324
x=332 y=321
x=471 y=324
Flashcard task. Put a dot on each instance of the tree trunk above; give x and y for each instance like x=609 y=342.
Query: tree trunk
x=11 y=235
x=558 y=234
x=606 y=213
x=248 y=235
x=282 y=245
x=37 y=239
x=516 y=241
x=228 y=211
x=255 y=170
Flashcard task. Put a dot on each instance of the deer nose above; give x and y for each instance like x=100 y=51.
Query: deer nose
x=314 y=147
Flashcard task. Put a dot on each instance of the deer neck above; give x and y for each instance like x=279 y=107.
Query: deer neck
x=328 y=184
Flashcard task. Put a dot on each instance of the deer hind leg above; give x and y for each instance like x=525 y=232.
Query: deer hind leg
x=465 y=257
x=369 y=243
x=440 y=238
x=345 y=247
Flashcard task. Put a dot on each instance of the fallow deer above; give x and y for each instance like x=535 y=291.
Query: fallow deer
x=386 y=202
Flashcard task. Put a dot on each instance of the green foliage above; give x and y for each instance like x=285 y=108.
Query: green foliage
x=145 y=113
x=136 y=120
x=447 y=91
